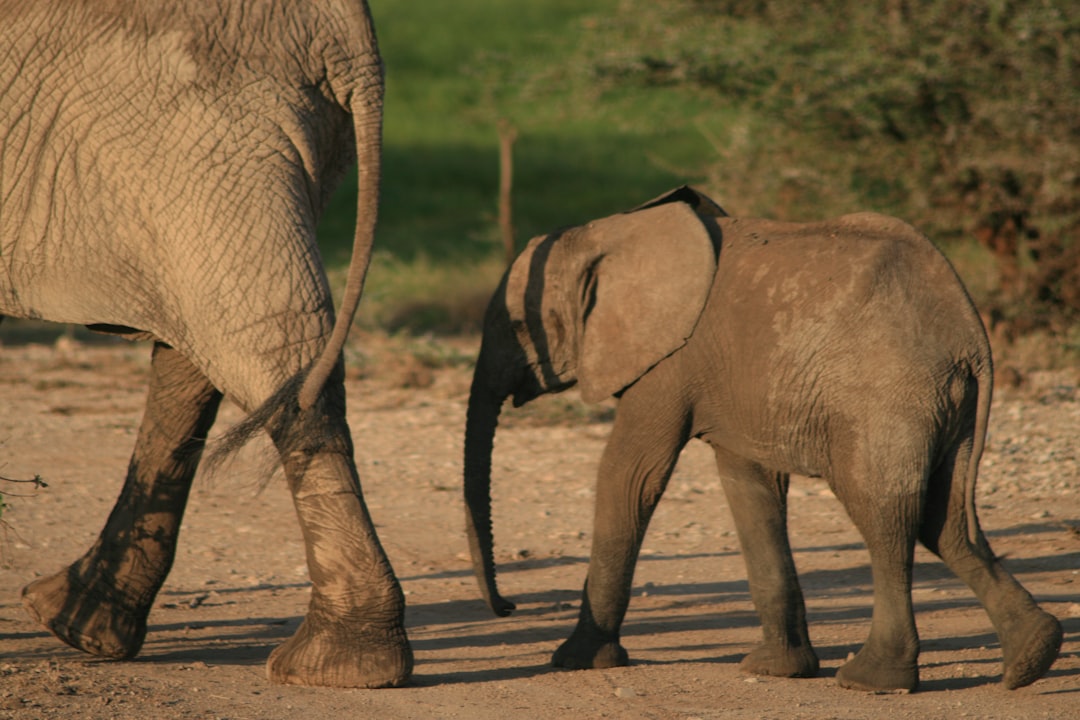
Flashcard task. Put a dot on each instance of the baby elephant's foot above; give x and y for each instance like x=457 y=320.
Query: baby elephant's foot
x=84 y=619
x=1030 y=648
x=781 y=661
x=585 y=650
x=873 y=673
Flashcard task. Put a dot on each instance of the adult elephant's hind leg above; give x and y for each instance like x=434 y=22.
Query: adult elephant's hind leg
x=353 y=634
x=758 y=501
x=100 y=603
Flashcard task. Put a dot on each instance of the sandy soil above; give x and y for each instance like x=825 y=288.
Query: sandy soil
x=239 y=586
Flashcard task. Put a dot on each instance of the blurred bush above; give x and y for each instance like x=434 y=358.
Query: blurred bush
x=961 y=117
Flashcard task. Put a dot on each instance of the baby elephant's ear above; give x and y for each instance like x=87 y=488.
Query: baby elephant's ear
x=647 y=289
x=703 y=204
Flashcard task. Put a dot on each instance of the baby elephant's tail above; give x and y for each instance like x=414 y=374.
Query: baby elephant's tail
x=984 y=377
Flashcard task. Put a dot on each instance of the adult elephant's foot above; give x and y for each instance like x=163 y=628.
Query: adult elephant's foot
x=871 y=672
x=585 y=650
x=85 y=617
x=336 y=654
x=781 y=661
x=1029 y=648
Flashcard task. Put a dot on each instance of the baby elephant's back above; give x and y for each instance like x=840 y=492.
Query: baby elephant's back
x=847 y=320
x=864 y=283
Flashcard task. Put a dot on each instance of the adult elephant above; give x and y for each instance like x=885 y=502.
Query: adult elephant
x=845 y=349
x=163 y=167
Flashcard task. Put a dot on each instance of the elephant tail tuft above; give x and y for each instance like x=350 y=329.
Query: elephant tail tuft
x=273 y=410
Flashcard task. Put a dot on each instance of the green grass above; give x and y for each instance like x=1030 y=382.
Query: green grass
x=949 y=116
x=453 y=72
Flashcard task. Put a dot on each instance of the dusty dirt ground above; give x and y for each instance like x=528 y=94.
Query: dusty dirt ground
x=239 y=585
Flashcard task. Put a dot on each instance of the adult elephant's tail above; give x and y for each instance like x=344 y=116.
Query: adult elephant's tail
x=363 y=97
x=366 y=107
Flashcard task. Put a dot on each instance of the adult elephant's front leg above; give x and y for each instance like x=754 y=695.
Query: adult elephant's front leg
x=100 y=603
x=353 y=635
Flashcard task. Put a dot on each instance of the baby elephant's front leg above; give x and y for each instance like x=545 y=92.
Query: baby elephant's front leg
x=758 y=501
x=634 y=471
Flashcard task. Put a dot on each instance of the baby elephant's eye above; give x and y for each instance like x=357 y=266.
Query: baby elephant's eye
x=556 y=328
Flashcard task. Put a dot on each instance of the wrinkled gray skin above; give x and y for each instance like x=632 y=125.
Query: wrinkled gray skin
x=846 y=349
x=163 y=166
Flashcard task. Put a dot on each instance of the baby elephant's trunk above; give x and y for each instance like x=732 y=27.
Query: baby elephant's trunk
x=483 y=416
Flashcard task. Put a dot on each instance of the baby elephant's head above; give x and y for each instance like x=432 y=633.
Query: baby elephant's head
x=595 y=305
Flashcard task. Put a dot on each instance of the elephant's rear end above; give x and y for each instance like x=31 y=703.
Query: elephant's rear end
x=857 y=355
x=949 y=527
x=834 y=334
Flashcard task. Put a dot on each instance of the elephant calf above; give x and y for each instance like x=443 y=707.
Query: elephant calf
x=846 y=349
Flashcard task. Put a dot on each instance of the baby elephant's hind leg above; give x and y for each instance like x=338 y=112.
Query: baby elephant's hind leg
x=100 y=603
x=1030 y=637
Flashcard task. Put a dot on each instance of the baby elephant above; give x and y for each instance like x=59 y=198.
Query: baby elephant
x=846 y=349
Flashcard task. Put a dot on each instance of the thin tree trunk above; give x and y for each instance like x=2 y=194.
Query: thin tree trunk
x=507 y=136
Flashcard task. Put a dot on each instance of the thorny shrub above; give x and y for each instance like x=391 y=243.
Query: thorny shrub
x=959 y=117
